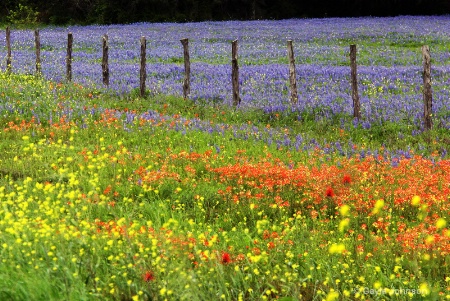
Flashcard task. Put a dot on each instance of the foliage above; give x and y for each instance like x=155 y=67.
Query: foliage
x=118 y=11
x=108 y=196
x=23 y=16
x=105 y=199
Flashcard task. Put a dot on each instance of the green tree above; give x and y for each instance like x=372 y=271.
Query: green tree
x=19 y=13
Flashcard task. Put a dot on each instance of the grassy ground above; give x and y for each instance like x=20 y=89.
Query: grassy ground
x=121 y=198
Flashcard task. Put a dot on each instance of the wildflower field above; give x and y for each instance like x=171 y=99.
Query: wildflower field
x=108 y=196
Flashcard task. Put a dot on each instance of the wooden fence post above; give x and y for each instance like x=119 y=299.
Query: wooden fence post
x=143 y=71
x=69 y=57
x=427 y=94
x=235 y=73
x=8 y=46
x=187 y=69
x=37 y=43
x=355 y=96
x=292 y=73
x=105 y=66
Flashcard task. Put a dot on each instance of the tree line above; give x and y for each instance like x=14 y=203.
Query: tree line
x=27 y=12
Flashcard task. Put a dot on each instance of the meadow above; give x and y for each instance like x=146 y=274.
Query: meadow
x=108 y=196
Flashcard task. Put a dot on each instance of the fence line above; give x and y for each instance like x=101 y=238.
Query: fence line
x=355 y=95
x=292 y=73
x=143 y=71
x=105 y=65
x=187 y=69
x=37 y=45
x=235 y=73
x=8 y=46
x=427 y=92
x=427 y=95
x=69 y=57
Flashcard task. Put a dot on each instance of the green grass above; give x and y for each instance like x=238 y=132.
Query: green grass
x=91 y=209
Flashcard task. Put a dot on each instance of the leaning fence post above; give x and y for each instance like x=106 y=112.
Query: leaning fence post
x=143 y=71
x=355 y=96
x=427 y=94
x=292 y=73
x=105 y=67
x=8 y=46
x=187 y=69
x=235 y=73
x=69 y=57
x=37 y=43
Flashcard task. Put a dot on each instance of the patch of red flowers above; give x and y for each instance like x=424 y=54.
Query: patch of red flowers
x=347 y=179
x=329 y=192
x=148 y=276
x=226 y=258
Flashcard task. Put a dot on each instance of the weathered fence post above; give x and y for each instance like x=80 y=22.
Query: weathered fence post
x=69 y=57
x=427 y=94
x=8 y=46
x=143 y=71
x=292 y=73
x=37 y=43
x=187 y=69
x=235 y=73
x=355 y=96
x=105 y=67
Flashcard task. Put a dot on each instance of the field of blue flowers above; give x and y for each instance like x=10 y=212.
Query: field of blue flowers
x=389 y=62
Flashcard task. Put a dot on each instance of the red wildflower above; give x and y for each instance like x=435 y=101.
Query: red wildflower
x=329 y=192
x=107 y=190
x=347 y=179
x=360 y=249
x=148 y=276
x=226 y=258
x=256 y=251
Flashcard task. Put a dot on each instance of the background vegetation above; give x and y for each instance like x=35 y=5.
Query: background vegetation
x=21 y=12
